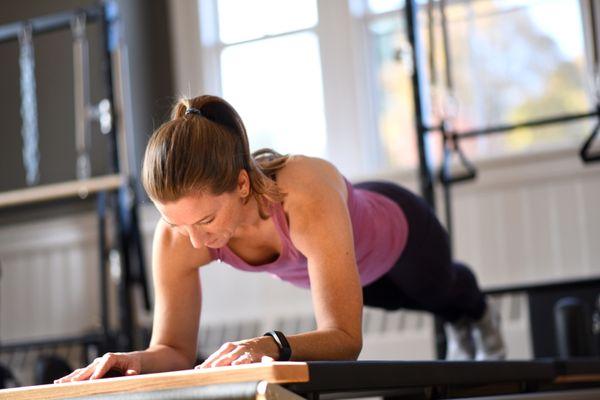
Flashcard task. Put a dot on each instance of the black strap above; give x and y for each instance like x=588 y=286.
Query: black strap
x=285 y=351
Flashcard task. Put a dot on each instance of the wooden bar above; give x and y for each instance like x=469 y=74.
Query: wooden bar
x=278 y=372
x=578 y=378
x=254 y=390
x=60 y=190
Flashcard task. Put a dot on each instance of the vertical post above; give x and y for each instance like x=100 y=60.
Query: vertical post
x=81 y=83
x=425 y=175
x=109 y=14
x=103 y=259
x=447 y=185
x=125 y=338
x=29 y=113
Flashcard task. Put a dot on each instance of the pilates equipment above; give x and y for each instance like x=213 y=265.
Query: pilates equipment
x=114 y=192
x=572 y=319
x=543 y=379
x=29 y=130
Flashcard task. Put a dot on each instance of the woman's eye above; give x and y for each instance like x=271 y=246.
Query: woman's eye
x=206 y=222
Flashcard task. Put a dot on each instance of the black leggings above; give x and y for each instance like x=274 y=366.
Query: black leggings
x=424 y=277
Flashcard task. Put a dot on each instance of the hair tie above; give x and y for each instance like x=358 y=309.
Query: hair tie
x=192 y=110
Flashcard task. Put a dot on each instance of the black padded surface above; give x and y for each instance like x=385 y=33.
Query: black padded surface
x=577 y=366
x=365 y=375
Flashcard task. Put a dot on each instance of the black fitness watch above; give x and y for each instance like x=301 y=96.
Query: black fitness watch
x=285 y=351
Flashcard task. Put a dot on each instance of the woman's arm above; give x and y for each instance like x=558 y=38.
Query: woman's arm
x=176 y=313
x=321 y=229
x=177 y=301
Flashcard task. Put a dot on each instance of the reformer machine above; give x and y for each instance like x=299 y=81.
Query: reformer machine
x=119 y=240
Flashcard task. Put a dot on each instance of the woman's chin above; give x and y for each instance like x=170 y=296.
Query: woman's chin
x=216 y=243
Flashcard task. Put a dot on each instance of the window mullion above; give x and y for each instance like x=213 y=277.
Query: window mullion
x=368 y=96
x=186 y=47
x=345 y=117
x=211 y=47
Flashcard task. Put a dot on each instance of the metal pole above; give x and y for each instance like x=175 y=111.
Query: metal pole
x=425 y=174
x=527 y=124
x=103 y=270
x=81 y=83
x=449 y=92
x=125 y=337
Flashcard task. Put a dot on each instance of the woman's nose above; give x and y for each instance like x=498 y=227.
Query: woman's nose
x=197 y=236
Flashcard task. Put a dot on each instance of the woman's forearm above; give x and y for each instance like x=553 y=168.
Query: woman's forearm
x=162 y=358
x=325 y=344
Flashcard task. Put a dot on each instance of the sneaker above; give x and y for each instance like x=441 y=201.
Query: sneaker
x=487 y=335
x=459 y=342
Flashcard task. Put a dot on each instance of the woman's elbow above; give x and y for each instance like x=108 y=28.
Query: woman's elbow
x=353 y=347
x=356 y=349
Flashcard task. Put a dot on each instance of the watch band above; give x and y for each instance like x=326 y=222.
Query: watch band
x=285 y=351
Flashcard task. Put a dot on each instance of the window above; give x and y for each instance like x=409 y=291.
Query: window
x=390 y=77
x=331 y=78
x=511 y=61
x=270 y=72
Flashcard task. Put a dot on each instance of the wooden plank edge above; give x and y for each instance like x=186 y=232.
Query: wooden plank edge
x=54 y=191
x=577 y=378
x=277 y=372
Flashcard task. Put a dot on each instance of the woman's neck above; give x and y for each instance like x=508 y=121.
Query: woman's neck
x=251 y=220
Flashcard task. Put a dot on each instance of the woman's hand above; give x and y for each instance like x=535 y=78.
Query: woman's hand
x=125 y=363
x=260 y=349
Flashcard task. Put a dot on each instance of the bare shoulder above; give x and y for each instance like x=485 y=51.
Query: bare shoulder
x=174 y=251
x=310 y=176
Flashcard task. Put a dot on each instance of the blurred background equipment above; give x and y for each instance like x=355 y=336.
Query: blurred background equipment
x=111 y=186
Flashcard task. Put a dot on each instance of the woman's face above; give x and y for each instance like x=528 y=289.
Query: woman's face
x=208 y=220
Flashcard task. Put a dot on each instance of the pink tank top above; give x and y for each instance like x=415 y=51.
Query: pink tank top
x=380 y=233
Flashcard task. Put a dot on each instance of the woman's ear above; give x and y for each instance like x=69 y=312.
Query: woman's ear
x=244 y=183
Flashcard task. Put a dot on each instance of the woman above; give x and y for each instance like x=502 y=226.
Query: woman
x=297 y=218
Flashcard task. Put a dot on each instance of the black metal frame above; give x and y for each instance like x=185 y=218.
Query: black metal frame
x=121 y=202
x=426 y=180
x=439 y=380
